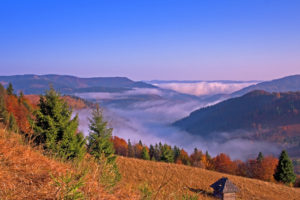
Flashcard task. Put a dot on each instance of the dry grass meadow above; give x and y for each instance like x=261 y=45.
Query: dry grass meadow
x=25 y=173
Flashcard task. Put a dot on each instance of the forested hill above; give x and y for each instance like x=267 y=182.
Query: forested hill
x=37 y=84
x=285 y=84
x=257 y=111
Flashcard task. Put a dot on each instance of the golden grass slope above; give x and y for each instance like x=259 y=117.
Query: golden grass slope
x=25 y=173
x=179 y=179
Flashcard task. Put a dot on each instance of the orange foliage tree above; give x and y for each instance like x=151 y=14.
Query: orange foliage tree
x=120 y=145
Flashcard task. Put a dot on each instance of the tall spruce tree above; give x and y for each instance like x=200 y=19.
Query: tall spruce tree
x=260 y=157
x=10 y=89
x=145 y=154
x=99 y=139
x=130 y=149
x=12 y=123
x=3 y=112
x=285 y=171
x=151 y=152
x=55 y=129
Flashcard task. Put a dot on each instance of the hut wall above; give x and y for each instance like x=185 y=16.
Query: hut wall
x=228 y=196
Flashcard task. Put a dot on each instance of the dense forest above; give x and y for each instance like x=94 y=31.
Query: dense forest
x=266 y=116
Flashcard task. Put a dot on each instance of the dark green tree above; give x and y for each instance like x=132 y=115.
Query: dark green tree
x=10 y=89
x=260 y=157
x=176 y=152
x=99 y=139
x=55 y=129
x=285 y=171
x=12 y=123
x=167 y=154
x=207 y=155
x=145 y=154
x=130 y=149
x=3 y=112
x=151 y=152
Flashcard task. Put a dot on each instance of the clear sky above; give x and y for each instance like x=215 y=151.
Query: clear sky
x=151 y=39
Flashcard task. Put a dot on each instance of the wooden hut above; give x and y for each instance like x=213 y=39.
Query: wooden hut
x=225 y=189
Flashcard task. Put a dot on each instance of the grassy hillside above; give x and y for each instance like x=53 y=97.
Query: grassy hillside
x=25 y=173
x=180 y=179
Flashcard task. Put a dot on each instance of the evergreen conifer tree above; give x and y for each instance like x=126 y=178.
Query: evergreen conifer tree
x=3 y=112
x=99 y=139
x=56 y=130
x=10 y=89
x=130 y=149
x=145 y=154
x=285 y=171
x=12 y=123
x=260 y=157
x=167 y=154
x=151 y=152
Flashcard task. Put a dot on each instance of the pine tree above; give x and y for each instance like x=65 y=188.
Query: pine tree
x=130 y=149
x=285 y=171
x=145 y=154
x=176 y=153
x=55 y=129
x=99 y=139
x=260 y=157
x=3 y=111
x=167 y=154
x=12 y=123
x=151 y=152
x=10 y=89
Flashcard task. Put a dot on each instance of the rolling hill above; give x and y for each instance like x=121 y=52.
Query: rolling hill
x=37 y=84
x=26 y=173
x=258 y=115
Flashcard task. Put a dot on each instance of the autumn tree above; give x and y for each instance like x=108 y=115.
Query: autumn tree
x=120 y=146
x=224 y=164
x=285 y=171
x=184 y=157
x=55 y=129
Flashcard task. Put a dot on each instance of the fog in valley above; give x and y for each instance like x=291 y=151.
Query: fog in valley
x=148 y=114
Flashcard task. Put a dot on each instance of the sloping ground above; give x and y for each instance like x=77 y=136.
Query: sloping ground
x=26 y=174
x=179 y=179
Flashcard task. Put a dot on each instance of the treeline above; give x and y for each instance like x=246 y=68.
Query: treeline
x=267 y=168
x=51 y=126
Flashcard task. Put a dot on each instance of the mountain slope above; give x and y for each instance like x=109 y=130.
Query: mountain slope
x=37 y=84
x=268 y=116
x=285 y=84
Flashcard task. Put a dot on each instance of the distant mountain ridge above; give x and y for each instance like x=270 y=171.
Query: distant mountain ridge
x=285 y=84
x=37 y=84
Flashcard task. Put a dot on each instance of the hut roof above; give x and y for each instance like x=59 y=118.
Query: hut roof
x=224 y=185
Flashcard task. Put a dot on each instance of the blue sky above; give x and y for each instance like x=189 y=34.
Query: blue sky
x=151 y=39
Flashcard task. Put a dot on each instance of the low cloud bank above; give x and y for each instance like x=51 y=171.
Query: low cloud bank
x=150 y=121
x=204 y=88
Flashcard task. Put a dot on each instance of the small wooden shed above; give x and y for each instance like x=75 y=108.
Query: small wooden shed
x=225 y=189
